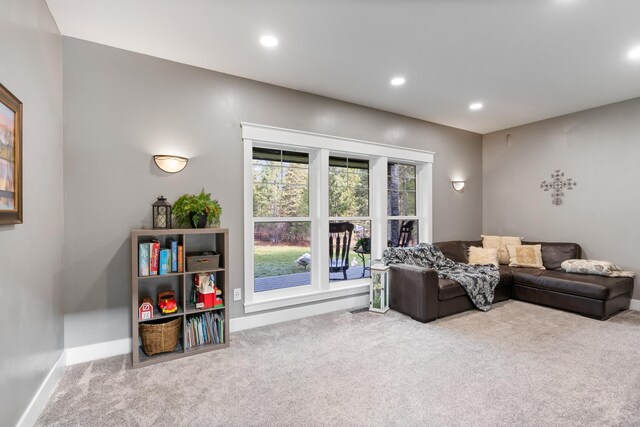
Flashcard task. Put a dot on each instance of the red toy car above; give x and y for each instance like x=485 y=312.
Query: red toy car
x=167 y=302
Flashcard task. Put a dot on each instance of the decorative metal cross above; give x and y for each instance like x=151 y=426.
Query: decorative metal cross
x=557 y=185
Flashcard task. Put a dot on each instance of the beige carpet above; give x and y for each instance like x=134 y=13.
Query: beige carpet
x=518 y=364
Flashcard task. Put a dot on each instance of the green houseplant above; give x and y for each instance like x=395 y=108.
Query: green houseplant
x=197 y=210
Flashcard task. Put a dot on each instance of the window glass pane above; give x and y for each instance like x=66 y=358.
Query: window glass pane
x=282 y=255
x=401 y=189
x=266 y=173
x=405 y=204
x=356 y=263
x=266 y=200
x=280 y=183
x=294 y=200
x=348 y=187
x=402 y=232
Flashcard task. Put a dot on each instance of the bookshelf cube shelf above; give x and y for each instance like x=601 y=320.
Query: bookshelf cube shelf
x=191 y=240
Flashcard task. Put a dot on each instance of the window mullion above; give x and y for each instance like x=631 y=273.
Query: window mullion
x=319 y=210
x=378 y=206
x=424 y=208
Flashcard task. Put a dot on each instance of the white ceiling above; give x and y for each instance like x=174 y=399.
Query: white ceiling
x=526 y=60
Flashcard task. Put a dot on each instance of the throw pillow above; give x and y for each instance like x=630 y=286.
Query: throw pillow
x=525 y=256
x=500 y=243
x=592 y=266
x=483 y=256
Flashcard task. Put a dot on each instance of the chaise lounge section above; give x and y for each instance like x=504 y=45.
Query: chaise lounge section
x=419 y=293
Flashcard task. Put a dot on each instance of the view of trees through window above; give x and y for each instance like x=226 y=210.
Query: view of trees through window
x=282 y=223
x=401 y=200
x=280 y=190
x=348 y=187
x=349 y=200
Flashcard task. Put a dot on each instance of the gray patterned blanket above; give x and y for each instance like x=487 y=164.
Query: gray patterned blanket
x=479 y=281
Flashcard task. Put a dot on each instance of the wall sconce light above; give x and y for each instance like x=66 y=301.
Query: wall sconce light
x=458 y=186
x=170 y=164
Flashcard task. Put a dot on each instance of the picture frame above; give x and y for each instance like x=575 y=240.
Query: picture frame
x=10 y=158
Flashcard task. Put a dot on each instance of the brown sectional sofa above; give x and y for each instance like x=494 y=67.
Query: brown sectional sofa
x=418 y=292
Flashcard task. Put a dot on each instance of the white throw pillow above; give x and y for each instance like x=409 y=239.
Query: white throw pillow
x=592 y=266
x=483 y=256
x=500 y=243
x=525 y=256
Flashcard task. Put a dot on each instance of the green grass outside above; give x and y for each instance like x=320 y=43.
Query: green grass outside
x=280 y=260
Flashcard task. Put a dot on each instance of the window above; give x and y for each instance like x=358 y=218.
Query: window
x=402 y=218
x=298 y=186
x=281 y=230
x=349 y=202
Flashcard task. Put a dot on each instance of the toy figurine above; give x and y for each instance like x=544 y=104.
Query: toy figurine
x=145 y=310
x=167 y=302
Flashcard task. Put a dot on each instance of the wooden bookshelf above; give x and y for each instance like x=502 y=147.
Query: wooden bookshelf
x=192 y=240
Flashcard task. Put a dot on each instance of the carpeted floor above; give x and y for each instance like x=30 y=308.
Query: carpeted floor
x=518 y=364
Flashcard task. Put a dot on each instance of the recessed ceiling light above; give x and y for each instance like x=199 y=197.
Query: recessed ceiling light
x=476 y=106
x=269 y=41
x=634 y=53
x=398 y=81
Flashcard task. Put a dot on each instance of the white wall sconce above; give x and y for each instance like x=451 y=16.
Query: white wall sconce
x=458 y=186
x=170 y=164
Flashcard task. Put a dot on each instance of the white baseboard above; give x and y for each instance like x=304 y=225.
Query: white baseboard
x=97 y=351
x=41 y=398
x=264 y=319
x=635 y=304
x=87 y=353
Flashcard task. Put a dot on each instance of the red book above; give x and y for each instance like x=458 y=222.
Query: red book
x=180 y=260
x=154 y=258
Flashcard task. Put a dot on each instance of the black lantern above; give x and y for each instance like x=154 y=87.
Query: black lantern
x=161 y=213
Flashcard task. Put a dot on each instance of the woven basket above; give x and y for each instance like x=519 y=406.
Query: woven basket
x=160 y=336
x=203 y=262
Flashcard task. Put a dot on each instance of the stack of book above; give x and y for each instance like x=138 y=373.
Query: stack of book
x=205 y=328
x=154 y=261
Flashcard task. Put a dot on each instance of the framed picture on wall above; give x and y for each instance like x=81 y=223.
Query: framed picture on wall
x=10 y=158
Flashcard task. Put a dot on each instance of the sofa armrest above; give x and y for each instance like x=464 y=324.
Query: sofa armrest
x=414 y=291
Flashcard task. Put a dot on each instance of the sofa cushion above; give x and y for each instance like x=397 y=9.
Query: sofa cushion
x=525 y=256
x=450 y=289
x=500 y=243
x=469 y=243
x=592 y=266
x=597 y=287
x=553 y=254
x=483 y=256
x=455 y=250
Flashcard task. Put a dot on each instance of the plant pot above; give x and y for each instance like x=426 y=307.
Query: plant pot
x=201 y=220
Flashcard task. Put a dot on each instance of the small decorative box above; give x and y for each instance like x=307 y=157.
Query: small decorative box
x=203 y=262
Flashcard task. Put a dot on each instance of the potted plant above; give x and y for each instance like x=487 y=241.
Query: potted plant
x=363 y=245
x=197 y=210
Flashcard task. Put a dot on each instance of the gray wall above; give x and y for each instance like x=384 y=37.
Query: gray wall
x=31 y=336
x=599 y=149
x=122 y=107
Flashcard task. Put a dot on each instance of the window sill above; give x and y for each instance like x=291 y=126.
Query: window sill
x=339 y=292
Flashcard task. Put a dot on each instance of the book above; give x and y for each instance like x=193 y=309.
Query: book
x=180 y=259
x=164 y=261
x=204 y=329
x=143 y=259
x=219 y=325
x=174 y=256
x=154 y=257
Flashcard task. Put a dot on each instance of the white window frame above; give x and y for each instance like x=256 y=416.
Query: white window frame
x=319 y=148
